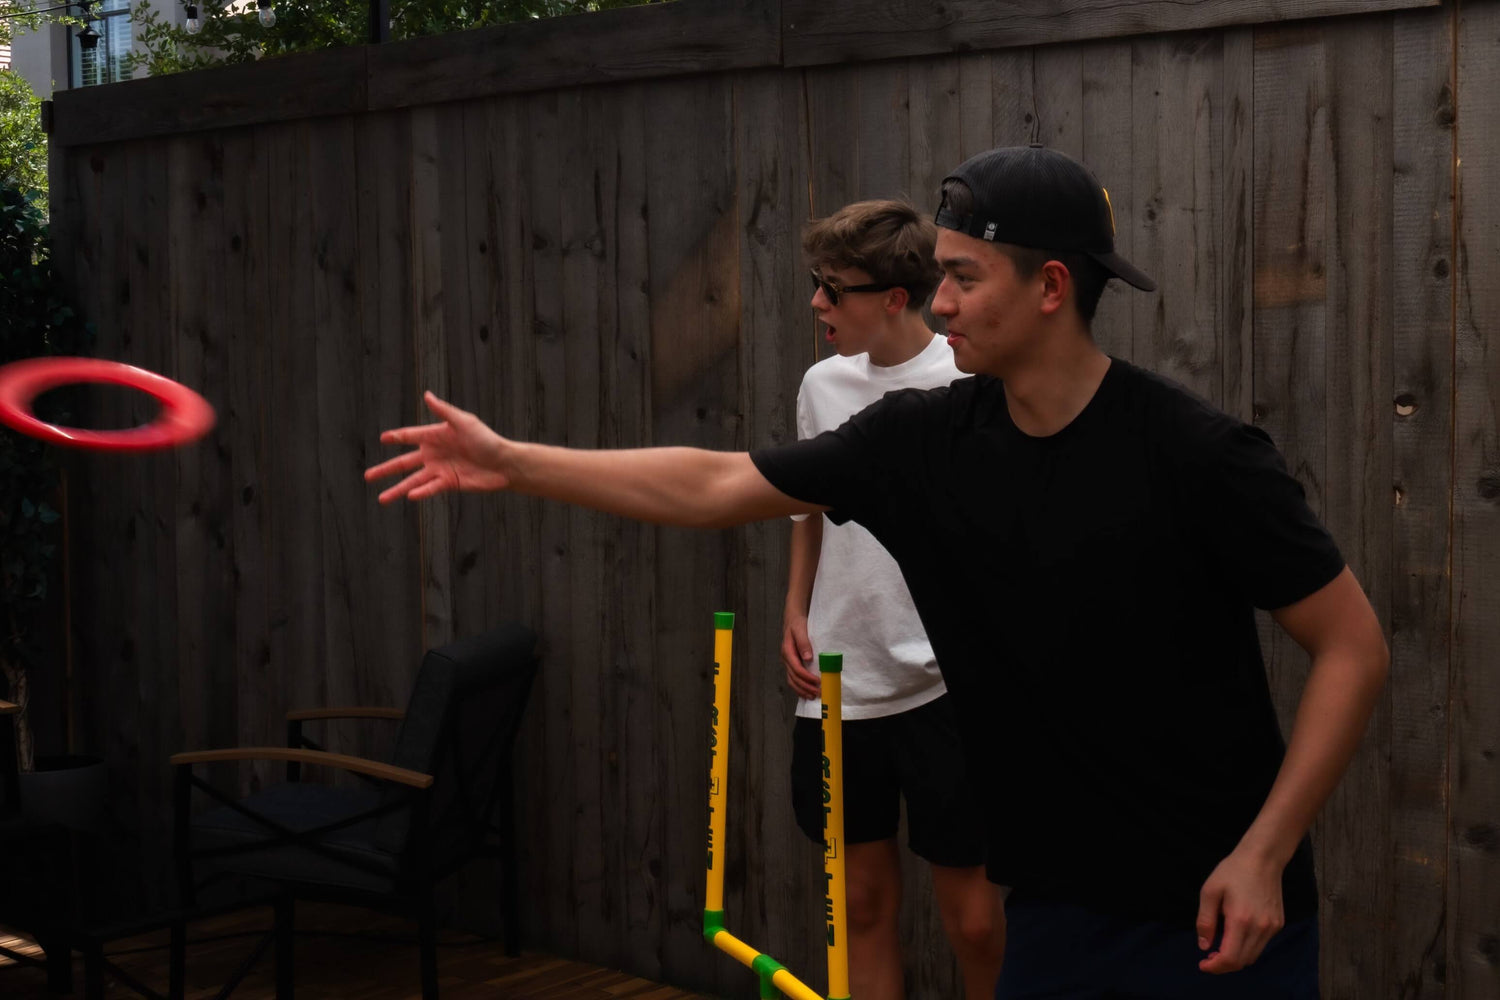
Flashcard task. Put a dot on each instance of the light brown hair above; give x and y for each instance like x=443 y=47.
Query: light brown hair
x=887 y=239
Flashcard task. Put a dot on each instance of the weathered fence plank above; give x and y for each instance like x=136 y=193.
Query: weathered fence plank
x=1108 y=147
x=1422 y=478
x=695 y=308
x=247 y=211
x=818 y=32
x=1352 y=849
x=1236 y=256
x=1474 y=699
x=782 y=869
x=603 y=47
x=638 y=677
x=585 y=151
x=297 y=639
x=1291 y=205
x=1176 y=187
x=290 y=88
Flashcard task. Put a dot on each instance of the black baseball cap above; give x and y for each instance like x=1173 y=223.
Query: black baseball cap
x=1034 y=197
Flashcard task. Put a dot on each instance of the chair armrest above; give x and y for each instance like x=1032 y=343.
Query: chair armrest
x=6 y=708
x=359 y=765
x=353 y=712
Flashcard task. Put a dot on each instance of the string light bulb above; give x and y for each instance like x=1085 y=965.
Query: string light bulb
x=193 y=24
x=267 y=13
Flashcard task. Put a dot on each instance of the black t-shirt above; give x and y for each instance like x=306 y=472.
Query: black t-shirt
x=1090 y=597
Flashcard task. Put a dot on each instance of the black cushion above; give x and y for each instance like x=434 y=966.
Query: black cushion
x=349 y=857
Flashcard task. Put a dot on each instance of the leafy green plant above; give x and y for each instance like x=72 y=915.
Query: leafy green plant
x=23 y=145
x=233 y=33
x=34 y=320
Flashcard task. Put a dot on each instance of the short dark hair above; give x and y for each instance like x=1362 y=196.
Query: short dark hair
x=1089 y=278
x=887 y=239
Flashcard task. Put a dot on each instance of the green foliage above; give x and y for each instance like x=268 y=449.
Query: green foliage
x=34 y=320
x=23 y=145
x=234 y=34
x=19 y=17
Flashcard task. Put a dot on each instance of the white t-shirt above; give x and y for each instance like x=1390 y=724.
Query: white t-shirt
x=860 y=604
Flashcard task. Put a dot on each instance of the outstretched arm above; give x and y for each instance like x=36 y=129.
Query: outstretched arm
x=1338 y=628
x=691 y=487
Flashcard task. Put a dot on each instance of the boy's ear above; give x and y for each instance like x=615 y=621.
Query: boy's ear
x=896 y=299
x=1057 y=285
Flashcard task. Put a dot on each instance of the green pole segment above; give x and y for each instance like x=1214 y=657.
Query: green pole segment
x=713 y=923
x=723 y=619
x=767 y=966
x=831 y=663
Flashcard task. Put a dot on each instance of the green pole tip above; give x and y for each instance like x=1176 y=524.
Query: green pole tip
x=723 y=619
x=831 y=663
x=713 y=923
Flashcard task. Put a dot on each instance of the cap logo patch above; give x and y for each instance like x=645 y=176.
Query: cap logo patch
x=1111 y=206
x=989 y=231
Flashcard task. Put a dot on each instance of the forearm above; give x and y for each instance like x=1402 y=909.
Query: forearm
x=807 y=544
x=1340 y=695
x=690 y=487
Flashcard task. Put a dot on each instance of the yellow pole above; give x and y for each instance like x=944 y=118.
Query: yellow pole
x=830 y=669
x=718 y=770
x=773 y=975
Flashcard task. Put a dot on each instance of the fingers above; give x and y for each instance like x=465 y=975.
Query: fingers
x=788 y=652
x=394 y=466
x=803 y=643
x=413 y=435
x=414 y=486
x=1245 y=937
x=1209 y=901
x=441 y=408
x=806 y=686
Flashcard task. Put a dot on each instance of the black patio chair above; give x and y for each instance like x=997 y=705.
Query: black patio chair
x=444 y=799
x=33 y=855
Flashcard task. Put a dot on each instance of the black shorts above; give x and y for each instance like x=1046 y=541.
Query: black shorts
x=912 y=754
x=1066 y=952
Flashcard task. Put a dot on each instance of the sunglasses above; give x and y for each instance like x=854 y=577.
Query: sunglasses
x=833 y=289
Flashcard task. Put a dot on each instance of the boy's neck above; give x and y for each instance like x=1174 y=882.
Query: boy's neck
x=1046 y=394
x=907 y=336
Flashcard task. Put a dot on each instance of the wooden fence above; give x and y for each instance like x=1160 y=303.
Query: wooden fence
x=585 y=231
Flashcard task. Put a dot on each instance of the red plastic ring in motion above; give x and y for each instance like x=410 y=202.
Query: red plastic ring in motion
x=185 y=416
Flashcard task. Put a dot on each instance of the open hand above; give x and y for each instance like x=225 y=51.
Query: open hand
x=460 y=453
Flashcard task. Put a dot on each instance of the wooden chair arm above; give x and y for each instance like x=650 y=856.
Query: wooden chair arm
x=353 y=712
x=359 y=765
x=6 y=708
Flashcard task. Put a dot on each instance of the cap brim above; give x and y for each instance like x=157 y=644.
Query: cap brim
x=1125 y=271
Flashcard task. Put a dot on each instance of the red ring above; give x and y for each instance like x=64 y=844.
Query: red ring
x=185 y=416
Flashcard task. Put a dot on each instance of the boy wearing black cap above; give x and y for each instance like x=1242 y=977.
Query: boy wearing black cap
x=1086 y=544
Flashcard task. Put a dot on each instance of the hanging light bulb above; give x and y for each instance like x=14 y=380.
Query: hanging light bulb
x=193 y=24
x=267 y=13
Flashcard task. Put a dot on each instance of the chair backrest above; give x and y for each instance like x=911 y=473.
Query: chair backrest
x=460 y=727
x=10 y=788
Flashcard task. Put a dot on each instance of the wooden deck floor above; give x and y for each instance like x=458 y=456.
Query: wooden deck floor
x=344 y=954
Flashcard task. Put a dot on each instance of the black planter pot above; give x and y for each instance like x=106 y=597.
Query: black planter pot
x=67 y=790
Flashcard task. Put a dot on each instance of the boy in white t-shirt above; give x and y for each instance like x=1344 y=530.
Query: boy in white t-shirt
x=873 y=269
